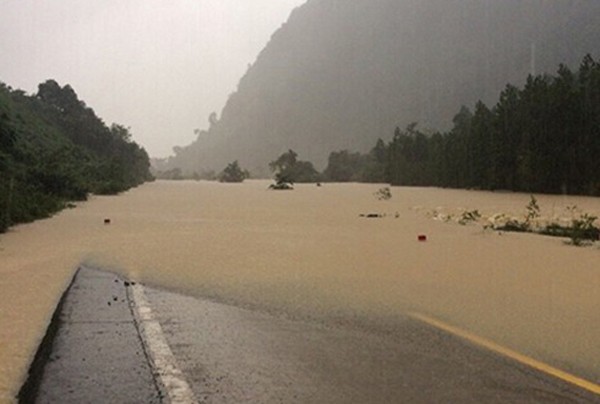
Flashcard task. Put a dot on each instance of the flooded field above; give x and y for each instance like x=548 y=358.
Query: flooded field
x=308 y=252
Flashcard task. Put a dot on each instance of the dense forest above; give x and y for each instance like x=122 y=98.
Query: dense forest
x=54 y=149
x=340 y=74
x=544 y=137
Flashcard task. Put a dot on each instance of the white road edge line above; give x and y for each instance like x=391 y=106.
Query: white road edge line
x=164 y=364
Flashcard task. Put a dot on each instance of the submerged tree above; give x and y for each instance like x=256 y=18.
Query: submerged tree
x=233 y=173
x=288 y=169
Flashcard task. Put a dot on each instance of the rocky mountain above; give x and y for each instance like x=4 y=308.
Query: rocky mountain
x=341 y=73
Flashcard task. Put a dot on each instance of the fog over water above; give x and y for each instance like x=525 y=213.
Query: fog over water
x=308 y=253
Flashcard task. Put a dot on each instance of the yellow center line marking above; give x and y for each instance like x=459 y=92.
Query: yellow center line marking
x=492 y=346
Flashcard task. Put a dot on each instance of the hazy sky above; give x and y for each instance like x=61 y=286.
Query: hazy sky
x=158 y=66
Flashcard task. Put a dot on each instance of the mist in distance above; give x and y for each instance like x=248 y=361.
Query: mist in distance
x=341 y=74
x=157 y=66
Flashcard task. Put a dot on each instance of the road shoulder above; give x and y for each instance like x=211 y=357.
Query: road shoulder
x=92 y=349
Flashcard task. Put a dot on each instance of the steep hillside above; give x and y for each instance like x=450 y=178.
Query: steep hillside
x=339 y=74
x=54 y=149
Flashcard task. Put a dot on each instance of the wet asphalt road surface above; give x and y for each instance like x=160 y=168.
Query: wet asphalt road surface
x=230 y=354
x=96 y=355
x=234 y=355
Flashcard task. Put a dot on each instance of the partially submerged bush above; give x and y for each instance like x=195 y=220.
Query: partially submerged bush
x=383 y=194
x=580 y=231
x=513 y=225
x=583 y=230
x=281 y=186
x=233 y=173
x=533 y=211
x=469 y=216
x=528 y=225
x=289 y=169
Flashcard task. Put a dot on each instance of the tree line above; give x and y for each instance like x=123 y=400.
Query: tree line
x=54 y=149
x=544 y=137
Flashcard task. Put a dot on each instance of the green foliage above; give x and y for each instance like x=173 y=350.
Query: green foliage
x=469 y=216
x=383 y=194
x=542 y=138
x=527 y=225
x=288 y=169
x=533 y=211
x=344 y=166
x=513 y=225
x=408 y=156
x=54 y=149
x=583 y=229
x=233 y=173
x=581 y=232
x=281 y=186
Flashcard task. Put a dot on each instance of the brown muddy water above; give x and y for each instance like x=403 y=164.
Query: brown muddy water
x=308 y=252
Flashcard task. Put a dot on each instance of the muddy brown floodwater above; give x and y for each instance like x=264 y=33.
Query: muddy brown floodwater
x=308 y=252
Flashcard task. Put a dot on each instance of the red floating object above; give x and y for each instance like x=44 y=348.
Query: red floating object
x=422 y=237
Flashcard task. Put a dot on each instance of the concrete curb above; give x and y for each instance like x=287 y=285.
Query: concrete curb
x=92 y=350
x=30 y=388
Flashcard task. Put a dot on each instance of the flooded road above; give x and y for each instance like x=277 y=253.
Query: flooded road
x=229 y=354
x=308 y=253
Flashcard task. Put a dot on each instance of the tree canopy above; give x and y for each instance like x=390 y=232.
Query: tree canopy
x=54 y=149
x=288 y=168
x=544 y=137
x=233 y=173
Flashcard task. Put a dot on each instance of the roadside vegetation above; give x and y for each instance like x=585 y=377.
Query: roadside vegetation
x=543 y=138
x=55 y=150
x=578 y=227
